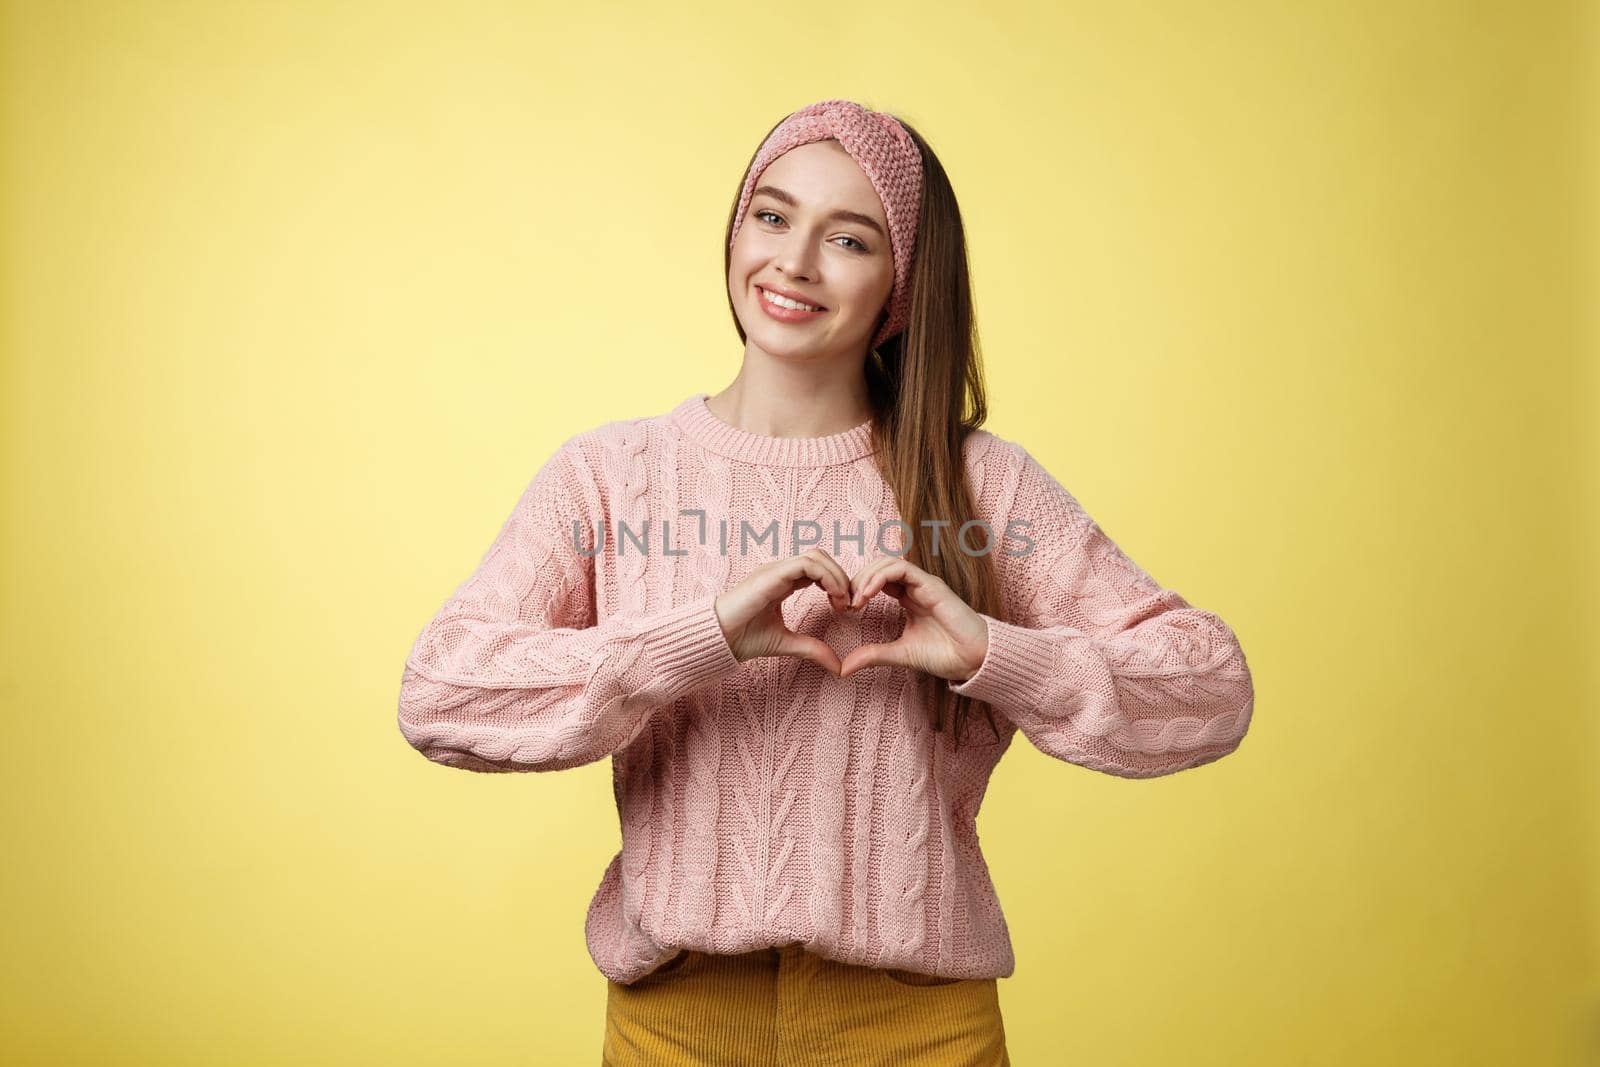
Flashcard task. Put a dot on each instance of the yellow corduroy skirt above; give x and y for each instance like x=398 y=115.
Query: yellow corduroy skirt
x=786 y=1007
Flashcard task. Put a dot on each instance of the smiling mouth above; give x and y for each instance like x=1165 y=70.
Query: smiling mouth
x=785 y=302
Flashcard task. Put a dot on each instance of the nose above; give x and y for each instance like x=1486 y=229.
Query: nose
x=796 y=259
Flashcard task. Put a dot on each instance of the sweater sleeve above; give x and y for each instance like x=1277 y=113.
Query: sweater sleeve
x=514 y=673
x=1103 y=667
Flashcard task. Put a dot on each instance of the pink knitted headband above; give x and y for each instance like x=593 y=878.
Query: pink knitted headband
x=890 y=159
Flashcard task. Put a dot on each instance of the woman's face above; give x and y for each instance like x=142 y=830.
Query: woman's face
x=814 y=231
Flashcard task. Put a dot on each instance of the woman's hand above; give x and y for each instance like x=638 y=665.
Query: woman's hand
x=943 y=635
x=751 y=611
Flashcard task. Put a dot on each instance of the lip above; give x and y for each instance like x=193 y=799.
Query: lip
x=783 y=314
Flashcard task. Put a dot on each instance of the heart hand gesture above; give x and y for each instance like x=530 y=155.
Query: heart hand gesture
x=943 y=636
x=751 y=612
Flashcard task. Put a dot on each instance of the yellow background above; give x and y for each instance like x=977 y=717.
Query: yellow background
x=297 y=296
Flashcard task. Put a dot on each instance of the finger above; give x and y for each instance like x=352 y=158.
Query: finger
x=864 y=576
x=781 y=578
x=804 y=647
x=821 y=570
x=888 y=654
x=838 y=584
x=910 y=580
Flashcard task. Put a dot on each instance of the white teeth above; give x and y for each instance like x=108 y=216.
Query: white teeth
x=783 y=301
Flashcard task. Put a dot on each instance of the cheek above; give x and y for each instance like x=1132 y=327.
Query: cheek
x=746 y=259
x=869 y=291
x=739 y=270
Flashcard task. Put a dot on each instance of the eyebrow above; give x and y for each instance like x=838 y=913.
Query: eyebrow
x=849 y=216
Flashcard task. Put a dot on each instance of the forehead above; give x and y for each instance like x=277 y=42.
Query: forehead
x=822 y=175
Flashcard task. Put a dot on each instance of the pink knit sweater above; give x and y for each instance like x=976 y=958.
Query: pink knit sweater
x=768 y=802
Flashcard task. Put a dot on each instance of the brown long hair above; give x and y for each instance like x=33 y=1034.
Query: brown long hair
x=925 y=386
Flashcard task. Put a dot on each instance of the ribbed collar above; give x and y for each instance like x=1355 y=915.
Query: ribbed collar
x=704 y=428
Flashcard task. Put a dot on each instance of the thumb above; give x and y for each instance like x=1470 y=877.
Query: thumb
x=804 y=647
x=891 y=654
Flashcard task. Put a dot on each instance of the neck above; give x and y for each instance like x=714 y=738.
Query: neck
x=775 y=398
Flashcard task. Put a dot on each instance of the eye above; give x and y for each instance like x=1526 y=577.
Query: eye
x=764 y=214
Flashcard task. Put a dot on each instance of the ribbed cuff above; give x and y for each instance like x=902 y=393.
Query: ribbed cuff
x=1016 y=667
x=687 y=648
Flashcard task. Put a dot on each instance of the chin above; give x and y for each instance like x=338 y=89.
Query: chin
x=785 y=348
x=782 y=342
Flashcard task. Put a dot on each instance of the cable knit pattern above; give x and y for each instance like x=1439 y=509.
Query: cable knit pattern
x=703 y=734
x=1104 y=667
x=625 y=462
x=766 y=803
x=840 y=705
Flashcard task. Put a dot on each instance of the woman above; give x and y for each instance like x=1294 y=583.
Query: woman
x=723 y=599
